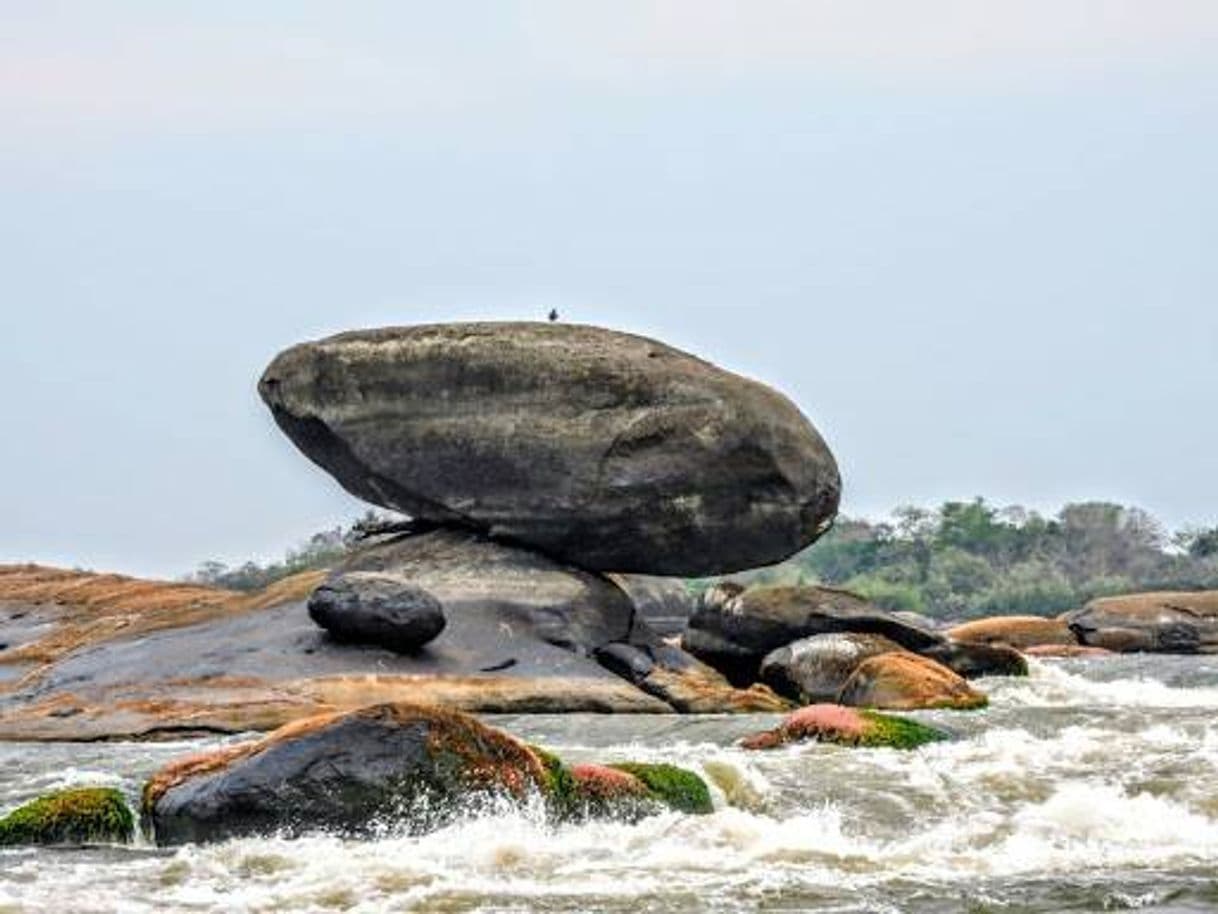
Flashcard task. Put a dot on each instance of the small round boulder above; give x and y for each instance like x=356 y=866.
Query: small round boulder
x=380 y=609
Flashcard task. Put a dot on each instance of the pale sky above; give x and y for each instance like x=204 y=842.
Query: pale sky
x=975 y=242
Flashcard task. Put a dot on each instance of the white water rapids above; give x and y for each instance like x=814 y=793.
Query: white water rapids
x=1090 y=785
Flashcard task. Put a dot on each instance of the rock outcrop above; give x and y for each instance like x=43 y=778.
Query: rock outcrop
x=830 y=723
x=733 y=629
x=1017 y=631
x=1167 y=623
x=901 y=681
x=606 y=450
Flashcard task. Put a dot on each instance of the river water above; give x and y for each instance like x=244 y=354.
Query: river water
x=1090 y=785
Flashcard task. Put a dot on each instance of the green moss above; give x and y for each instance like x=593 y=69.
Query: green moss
x=562 y=793
x=894 y=732
x=677 y=788
x=84 y=815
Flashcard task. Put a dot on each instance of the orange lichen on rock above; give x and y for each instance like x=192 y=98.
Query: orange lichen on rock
x=599 y=783
x=1017 y=631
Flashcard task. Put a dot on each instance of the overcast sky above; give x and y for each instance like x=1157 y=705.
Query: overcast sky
x=975 y=242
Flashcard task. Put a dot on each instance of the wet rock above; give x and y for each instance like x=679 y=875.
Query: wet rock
x=974 y=660
x=901 y=681
x=609 y=451
x=733 y=629
x=1017 y=631
x=814 y=669
x=79 y=815
x=381 y=609
x=603 y=792
x=1065 y=650
x=685 y=683
x=1166 y=623
x=676 y=788
x=390 y=764
x=832 y=723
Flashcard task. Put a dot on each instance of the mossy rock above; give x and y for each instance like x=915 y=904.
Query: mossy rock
x=842 y=726
x=559 y=787
x=81 y=815
x=677 y=788
x=894 y=732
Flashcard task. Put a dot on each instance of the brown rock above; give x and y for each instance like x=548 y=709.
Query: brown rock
x=901 y=681
x=1167 y=623
x=1017 y=631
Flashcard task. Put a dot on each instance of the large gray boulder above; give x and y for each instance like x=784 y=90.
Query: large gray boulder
x=607 y=450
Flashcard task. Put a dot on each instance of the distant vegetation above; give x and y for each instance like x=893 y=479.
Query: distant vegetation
x=960 y=560
x=969 y=559
x=320 y=550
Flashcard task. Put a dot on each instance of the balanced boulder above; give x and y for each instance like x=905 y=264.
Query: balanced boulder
x=1167 y=623
x=606 y=450
x=370 y=608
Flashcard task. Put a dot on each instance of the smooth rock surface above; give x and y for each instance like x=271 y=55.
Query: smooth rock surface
x=906 y=682
x=1017 y=631
x=1167 y=623
x=370 y=608
x=610 y=451
x=813 y=670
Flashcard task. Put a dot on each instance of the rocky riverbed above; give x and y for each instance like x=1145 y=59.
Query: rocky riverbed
x=1088 y=785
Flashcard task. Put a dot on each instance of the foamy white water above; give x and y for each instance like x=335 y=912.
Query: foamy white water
x=1090 y=785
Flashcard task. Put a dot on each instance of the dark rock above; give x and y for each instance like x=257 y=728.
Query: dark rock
x=1166 y=623
x=974 y=660
x=368 y=608
x=733 y=629
x=607 y=450
x=386 y=765
x=664 y=604
x=813 y=670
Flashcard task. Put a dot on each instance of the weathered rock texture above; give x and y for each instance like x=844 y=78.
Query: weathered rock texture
x=1168 y=622
x=830 y=723
x=1017 y=631
x=813 y=670
x=610 y=451
x=902 y=681
x=392 y=764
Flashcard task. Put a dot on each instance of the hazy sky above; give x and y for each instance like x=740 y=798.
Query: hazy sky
x=974 y=241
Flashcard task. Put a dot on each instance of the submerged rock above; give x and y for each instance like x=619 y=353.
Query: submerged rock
x=78 y=815
x=1166 y=623
x=814 y=669
x=380 y=609
x=1017 y=631
x=901 y=681
x=832 y=723
x=606 y=450
x=396 y=763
